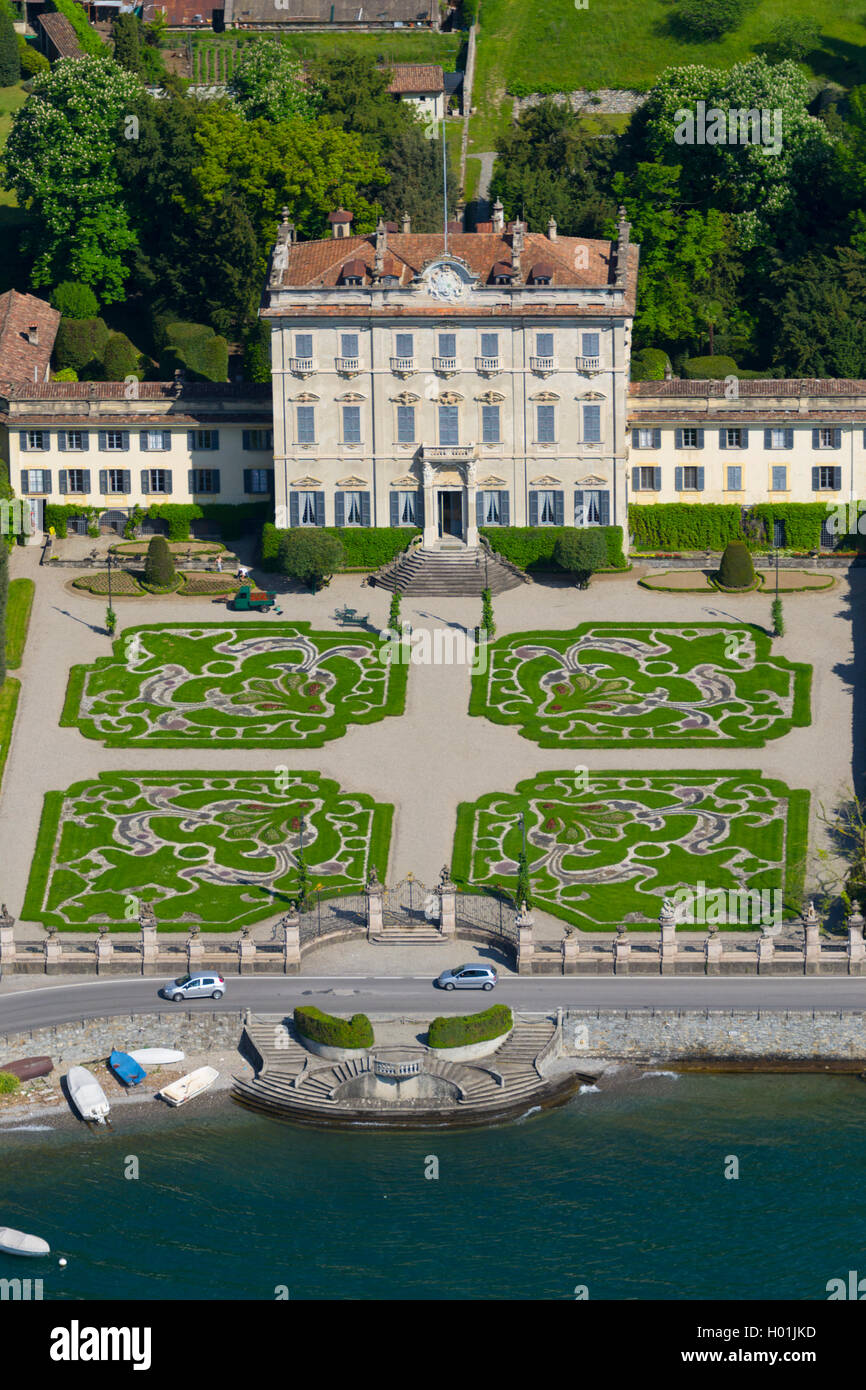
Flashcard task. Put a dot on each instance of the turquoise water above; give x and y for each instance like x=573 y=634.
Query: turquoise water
x=623 y=1192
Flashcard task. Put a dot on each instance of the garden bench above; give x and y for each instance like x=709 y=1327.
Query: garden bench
x=345 y=616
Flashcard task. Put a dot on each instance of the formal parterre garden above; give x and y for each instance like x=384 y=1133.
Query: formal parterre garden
x=607 y=848
x=129 y=583
x=271 y=684
x=218 y=851
x=603 y=685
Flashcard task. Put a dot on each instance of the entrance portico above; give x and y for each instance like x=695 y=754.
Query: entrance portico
x=449 y=494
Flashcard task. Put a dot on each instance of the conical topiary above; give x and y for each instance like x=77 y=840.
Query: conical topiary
x=736 y=570
x=159 y=565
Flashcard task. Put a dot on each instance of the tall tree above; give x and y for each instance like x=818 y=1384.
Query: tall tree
x=10 y=61
x=126 y=34
x=268 y=80
x=548 y=166
x=61 y=159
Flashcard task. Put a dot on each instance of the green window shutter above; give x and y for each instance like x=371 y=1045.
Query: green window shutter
x=294 y=509
x=657 y=479
x=145 y=480
x=168 y=485
x=339 y=509
x=504 y=508
x=320 y=509
x=789 y=439
x=635 y=480
x=678 y=439
x=700 y=480
x=723 y=439
x=604 y=508
x=394 y=504
x=62 y=485
x=678 y=480
x=768 y=439
x=86 y=479
x=816 y=480
x=700 y=439
x=657 y=439
x=533 y=508
x=559 y=508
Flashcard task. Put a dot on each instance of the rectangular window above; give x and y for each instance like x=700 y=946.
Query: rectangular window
x=777 y=439
x=735 y=478
x=490 y=424
x=780 y=478
x=115 y=480
x=204 y=439
x=690 y=479
x=827 y=478
x=77 y=480
x=546 y=508
x=35 y=440
x=205 y=480
x=351 y=424
x=544 y=344
x=404 y=345
x=306 y=424
x=489 y=344
x=592 y=424
x=690 y=437
x=590 y=344
x=644 y=439
x=646 y=479
x=155 y=440
x=352 y=502
x=449 y=425
x=303 y=345
x=491 y=509
x=159 y=479
x=306 y=509
x=546 y=424
x=825 y=439
x=35 y=480
x=114 y=440
x=75 y=441
x=349 y=345
x=405 y=424
x=406 y=508
x=734 y=438
x=447 y=344
x=260 y=440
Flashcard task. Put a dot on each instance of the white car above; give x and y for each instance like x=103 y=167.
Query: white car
x=195 y=987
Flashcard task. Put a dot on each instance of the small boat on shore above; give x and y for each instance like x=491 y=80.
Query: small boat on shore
x=188 y=1087
x=28 y=1068
x=87 y=1095
x=14 y=1242
x=126 y=1068
x=156 y=1056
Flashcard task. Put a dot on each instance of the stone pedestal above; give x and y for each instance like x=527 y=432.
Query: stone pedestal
x=246 y=954
x=856 y=944
x=525 y=922
x=149 y=949
x=375 y=895
x=194 y=953
x=104 y=952
x=53 y=955
x=7 y=944
x=447 y=894
x=291 y=943
x=667 y=939
x=570 y=947
x=621 y=952
x=812 y=960
x=713 y=954
x=766 y=954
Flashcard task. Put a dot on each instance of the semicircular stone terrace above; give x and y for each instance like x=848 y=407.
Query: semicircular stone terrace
x=255 y=685
x=663 y=685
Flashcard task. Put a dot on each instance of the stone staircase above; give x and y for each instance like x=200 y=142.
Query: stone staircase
x=293 y=1082
x=409 y=936
x=449 y=573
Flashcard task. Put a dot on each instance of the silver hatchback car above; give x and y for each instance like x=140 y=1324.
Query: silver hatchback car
x=468 y=977
x=195 y=987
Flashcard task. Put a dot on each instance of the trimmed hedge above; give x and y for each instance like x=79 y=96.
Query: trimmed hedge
x=533 y=547
x=354 y=1032
x=58 y=517
x=121 y=358
x=684 y=525
x=736 y=570
x=196 y=350
x=649 y=365
x=73 y=300
x=709 y=368
x=80 y=343
x=471 y=1028
x=366 y=547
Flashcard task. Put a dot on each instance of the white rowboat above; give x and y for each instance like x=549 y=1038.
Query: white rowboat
x=19 y=1243
x=179 y=1092
x=87 y=1095
x=156 y=1056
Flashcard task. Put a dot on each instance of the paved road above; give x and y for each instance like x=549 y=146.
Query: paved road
x=62 y=1003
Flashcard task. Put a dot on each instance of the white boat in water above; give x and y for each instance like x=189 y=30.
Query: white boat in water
x=156 y=1056
x=14 y=1242
x=87 y=1095
x=188 y=1087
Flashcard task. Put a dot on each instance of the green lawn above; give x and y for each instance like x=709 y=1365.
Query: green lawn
x=607 y=685
x=271 y=685
x=214 y=54
x=606 y=848
x=9 y=693
x=526 y=47
x=18 y=606
x=219 y=850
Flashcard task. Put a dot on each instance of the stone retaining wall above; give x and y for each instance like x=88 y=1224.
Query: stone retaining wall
x=672 y=1035
x=93 y=1038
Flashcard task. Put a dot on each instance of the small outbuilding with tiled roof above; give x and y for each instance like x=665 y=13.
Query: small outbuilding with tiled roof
x=28 y=327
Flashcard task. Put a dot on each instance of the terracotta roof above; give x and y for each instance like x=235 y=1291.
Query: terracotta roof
x=416 y=77
x=332 y=12
x=340 y=215
x=754 y=418
x=36 y=419
x=20 y=359
x=61 y=35
x=542 y=269
x=147 y=390
x=356 y=268
x=766 y=386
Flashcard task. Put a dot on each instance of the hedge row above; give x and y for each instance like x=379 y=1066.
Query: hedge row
x=532 y=547
x=196 y=350
x=472 y=1028
x=710 y=525
x=232 y=521
x=366 y=547
x=354 y=1032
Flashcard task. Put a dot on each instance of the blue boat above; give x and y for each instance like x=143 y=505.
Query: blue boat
x=126 y=1068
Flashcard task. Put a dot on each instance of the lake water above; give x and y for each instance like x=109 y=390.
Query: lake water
x=622 y=1190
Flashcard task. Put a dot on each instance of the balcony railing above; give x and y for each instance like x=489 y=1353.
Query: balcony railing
x=543 y=364
x=347 y=364
x=302 y=366
x=487 y=364
x=446 y=364
x=403 y=364
x=588 y=364
x=435 y=453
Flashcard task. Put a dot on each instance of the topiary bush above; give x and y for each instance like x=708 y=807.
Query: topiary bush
x=736 y=570
x=708 y=19
x=471 y=1028
x=74 y=300
x=650 y=364
x=354 y=1032
x=121 y=358
x=159 y=571
x=581 y=553
x=709 y=368
x=80 y=344
x=193 y=348
x=310 y=555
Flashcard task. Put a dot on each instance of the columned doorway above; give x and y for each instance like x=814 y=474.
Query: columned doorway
x=450 y=513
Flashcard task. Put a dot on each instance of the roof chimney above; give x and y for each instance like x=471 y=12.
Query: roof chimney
x=551 y=229
x=33 y=334
x=517 y=248
x=498 y=217
x=407 y=224
x=381 y=247
x=341 y=222
x=622 y=244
